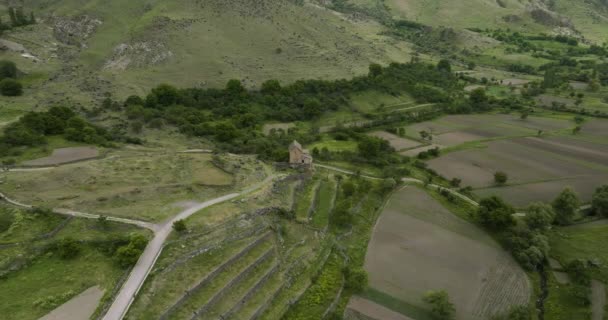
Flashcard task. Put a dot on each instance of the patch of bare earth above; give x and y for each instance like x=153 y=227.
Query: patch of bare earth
x=65 y=155
x=418 y=246
x=514 y=82
x=371 y=310
x=547 y=100
x=414 y=152
x=80 y=307
x=598 y=300
x=397 y=142
x=276 y=126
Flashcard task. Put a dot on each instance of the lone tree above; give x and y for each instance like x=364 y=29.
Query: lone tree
x=565 y=205
x=500 y=178
x=599 y=202
x=441 y=307
x=180 y=226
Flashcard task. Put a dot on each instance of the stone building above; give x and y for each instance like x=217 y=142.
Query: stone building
x=299 y=157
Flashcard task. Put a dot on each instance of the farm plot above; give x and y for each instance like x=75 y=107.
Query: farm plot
x=538 y=169
x=65 y=155
x=454 y=130
x=127 y=183
x=549 y=100
x=425 y=247
x=359 y=308
x=397 y=142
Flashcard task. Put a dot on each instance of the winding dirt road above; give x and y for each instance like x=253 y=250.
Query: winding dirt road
x=140 y=272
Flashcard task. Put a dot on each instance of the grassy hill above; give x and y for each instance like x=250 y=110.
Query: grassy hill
x=139 y=43
x=587 y=18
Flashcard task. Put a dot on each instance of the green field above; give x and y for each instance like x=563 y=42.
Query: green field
x=29 y=269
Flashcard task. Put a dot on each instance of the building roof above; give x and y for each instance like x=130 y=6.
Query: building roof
x=295 y=145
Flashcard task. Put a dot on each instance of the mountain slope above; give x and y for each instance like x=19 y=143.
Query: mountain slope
x=138 y=43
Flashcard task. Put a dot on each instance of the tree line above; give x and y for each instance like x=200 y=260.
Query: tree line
x=17 y=18
x=32 y=129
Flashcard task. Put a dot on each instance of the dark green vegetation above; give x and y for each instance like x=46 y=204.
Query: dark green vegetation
x=37 y=246
x=9 y=86
x=32 y=129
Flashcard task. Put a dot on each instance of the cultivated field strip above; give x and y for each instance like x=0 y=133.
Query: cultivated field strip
x=238 y=278
x=501 y=290
x=242 y=234
x=211 y=276
x=259 y=304
x=251 y=292
x=315 y=199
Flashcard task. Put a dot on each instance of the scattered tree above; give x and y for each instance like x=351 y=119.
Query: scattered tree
x=539 y=216
x=599 y=202
x=500 y=178
x=565 y=205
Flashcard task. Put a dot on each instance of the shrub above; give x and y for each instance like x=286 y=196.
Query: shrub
x=67 y=248
x=11 y=88
x=8 y=69
x=441 y=307
x=180 y=226
x=500 y=178
x=356 y=279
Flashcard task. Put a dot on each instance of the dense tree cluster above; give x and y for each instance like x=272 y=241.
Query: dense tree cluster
x=232 y=115
x=32 y=128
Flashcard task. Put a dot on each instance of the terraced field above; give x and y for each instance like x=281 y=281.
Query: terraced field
x=239 y=260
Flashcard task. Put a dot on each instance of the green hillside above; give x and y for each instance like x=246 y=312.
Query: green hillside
x=139 y=43
x=587 y=18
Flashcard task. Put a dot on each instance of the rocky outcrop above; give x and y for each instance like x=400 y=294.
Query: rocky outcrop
x=75 y=30
x=138 y=54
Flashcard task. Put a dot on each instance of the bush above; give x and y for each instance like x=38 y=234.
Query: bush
x=8 y=69
x=127 y=255
x=180 y=226
x=441 y=307
x=356 y=279
x=500 y=178
x=11 y=88
x=67 y=248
